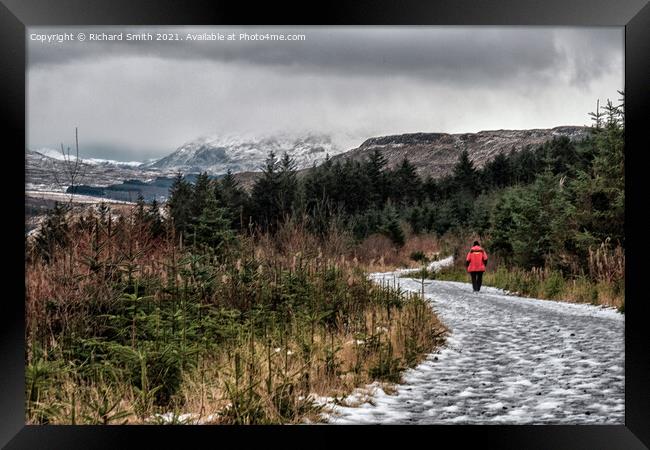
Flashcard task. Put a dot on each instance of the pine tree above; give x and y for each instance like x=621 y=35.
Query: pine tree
x=266 y=193
x=503 y=223
x=479 y=217
x=357 y=186
x=212 y=228
x=534 y=224
x=200 y=194
x=140 y=215
x=53 y=233
x=392 y=227
x=234 y=199
x=597 y=117
x=288 y=185
x=525 y=166
x=154 y=219
x=321 y=194
x=179 y=204
x=431 y=189
x=374 y=169
x=498 y=172
x=560 y=155
x=415 y=219
x=464 y=174
x=227 y=191
x=600 y=192
x=611 y=113
x=406 y=184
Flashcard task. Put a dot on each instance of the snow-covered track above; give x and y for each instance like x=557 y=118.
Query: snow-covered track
x=507 y=360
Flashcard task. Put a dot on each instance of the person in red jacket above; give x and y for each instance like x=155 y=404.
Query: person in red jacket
x=475 y=263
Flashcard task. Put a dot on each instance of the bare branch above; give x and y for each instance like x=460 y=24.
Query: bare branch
x=73 y=171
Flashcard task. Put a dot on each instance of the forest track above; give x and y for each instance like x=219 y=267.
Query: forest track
x=507 y=360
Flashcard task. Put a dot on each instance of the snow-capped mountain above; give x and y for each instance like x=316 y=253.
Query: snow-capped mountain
x=56 y=154
x=217 y=154
x=47 y=170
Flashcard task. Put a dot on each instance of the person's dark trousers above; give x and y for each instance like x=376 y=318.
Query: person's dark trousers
x=477 y=280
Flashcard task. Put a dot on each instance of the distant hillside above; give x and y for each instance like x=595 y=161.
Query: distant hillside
x=47 y=171
x=435 y=154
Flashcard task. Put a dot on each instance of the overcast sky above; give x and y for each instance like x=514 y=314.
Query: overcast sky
x=140 y=100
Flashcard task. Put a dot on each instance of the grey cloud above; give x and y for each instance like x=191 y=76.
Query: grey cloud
x=140 y=100
x=454 y=54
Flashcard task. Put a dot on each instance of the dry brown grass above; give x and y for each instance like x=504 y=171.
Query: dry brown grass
x=63 y=295
x=606 y=263
x=377 y=253
x=203 y=389
x=203 y=394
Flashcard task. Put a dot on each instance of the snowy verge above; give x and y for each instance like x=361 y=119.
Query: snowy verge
x=433 y=266
x=369 y=394
x=171 y=418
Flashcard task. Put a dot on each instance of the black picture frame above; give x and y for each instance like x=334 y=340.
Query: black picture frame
x=634 y=15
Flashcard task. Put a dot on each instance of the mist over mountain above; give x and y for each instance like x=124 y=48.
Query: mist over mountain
x=218 y=154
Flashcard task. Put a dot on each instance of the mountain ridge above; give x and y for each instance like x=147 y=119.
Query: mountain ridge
x=216 y=155
x=435 y=154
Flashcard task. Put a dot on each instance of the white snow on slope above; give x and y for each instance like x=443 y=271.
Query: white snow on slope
x=508 y=360
x=244 y=153
x=56 y=154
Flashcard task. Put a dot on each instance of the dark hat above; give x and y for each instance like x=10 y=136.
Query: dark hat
x=476 y=243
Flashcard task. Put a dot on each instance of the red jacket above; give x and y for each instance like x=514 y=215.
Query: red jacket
x=476 y=259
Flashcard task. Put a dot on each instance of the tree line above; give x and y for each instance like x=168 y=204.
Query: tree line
x=540 y=206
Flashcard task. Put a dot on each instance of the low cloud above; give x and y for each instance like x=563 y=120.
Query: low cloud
x=137 y=100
